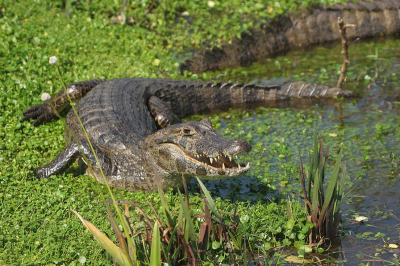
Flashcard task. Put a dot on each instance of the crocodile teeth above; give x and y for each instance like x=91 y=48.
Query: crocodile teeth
x=230 y=158
x=223 y=166
x=211 y=160
x=236 y=157
x=239 y=166
x=248 y=164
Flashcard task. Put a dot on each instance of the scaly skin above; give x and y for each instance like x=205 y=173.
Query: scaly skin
x=314 y=25
x=120 y=117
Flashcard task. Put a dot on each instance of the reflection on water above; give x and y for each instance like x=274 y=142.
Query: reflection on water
x=368 y=127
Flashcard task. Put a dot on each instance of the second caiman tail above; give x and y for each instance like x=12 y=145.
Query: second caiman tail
x=314 y=25
x=195 y=97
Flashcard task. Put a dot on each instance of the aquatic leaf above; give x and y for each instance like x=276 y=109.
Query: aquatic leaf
x=332 y=184
x=210 y=201
x=306 y=248
x=172 y=249
x=120 y=257
x=290 y=224
x=286 y=242
x=170 y=221
x=82 y=259
x=117 y=231
x=313 y=164
x=155 y=252
x=215 y=244
x=203 y=233
x=361 y=219
x=244 y=218
x=189 y=227
x=205 y=230
x=315 y=199
x=266 y=246
x=297 y=260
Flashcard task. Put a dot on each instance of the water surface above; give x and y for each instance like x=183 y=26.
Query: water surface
x=368 y=127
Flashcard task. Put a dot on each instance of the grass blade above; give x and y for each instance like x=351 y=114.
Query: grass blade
x=301 y=175
x=155 y=255
x=210 y=201
x=189 y=227
x=315 y=198
x=332 y=184
x=167 y=212
x=116 y=229
x=120 y=257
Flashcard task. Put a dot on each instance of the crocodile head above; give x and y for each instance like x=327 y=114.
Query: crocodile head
x=195 y=148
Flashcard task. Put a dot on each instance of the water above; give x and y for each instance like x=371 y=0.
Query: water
x=368 y=127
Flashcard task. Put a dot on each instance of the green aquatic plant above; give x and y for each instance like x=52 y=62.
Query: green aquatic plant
x=322 y=205
x=170 y=237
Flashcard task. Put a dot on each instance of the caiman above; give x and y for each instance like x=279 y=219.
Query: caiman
x=296 y=29
x=134 y=127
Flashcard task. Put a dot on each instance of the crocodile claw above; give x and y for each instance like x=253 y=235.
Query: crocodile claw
x=40 y=173
x=37 y=171
x=43 y=113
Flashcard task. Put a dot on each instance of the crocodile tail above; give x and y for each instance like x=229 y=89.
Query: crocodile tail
x=314 y=25
x=256 y=93
x=186 y=98
x=302 y=89
x=288 y=94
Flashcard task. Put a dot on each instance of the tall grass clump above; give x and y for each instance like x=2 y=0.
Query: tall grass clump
x=322 y=205
x=172 y=237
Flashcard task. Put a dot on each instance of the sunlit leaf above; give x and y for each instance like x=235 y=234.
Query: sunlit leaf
x=332 y=184
x=215 y=244
x=210 y=201
x=155 y=255
x=106 y=243
x=189 y=227
x=297 y=260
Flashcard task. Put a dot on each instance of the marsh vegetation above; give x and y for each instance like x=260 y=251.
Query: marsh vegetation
x=98 y=40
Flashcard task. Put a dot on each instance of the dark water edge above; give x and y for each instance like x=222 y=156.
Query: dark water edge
x=369 y=127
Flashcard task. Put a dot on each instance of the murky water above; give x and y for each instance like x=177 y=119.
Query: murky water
x=369 y=127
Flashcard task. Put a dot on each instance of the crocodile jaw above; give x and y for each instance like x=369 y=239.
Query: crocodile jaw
x=195 y=149
x=203 y=166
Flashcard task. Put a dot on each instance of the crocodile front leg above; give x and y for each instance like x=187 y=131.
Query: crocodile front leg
x=49 y=110
x=65 y=158
x=161 y=113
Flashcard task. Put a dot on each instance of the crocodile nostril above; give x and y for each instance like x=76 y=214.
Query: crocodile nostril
x=206 y=122
x=237 y=146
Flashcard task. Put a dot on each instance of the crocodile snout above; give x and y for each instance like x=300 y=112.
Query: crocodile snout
x=237 y=146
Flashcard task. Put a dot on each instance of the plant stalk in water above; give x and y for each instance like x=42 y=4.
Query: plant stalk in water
x=323 y=206
x=345 y=52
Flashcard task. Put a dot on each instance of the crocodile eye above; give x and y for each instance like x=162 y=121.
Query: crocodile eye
x=187 y=132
